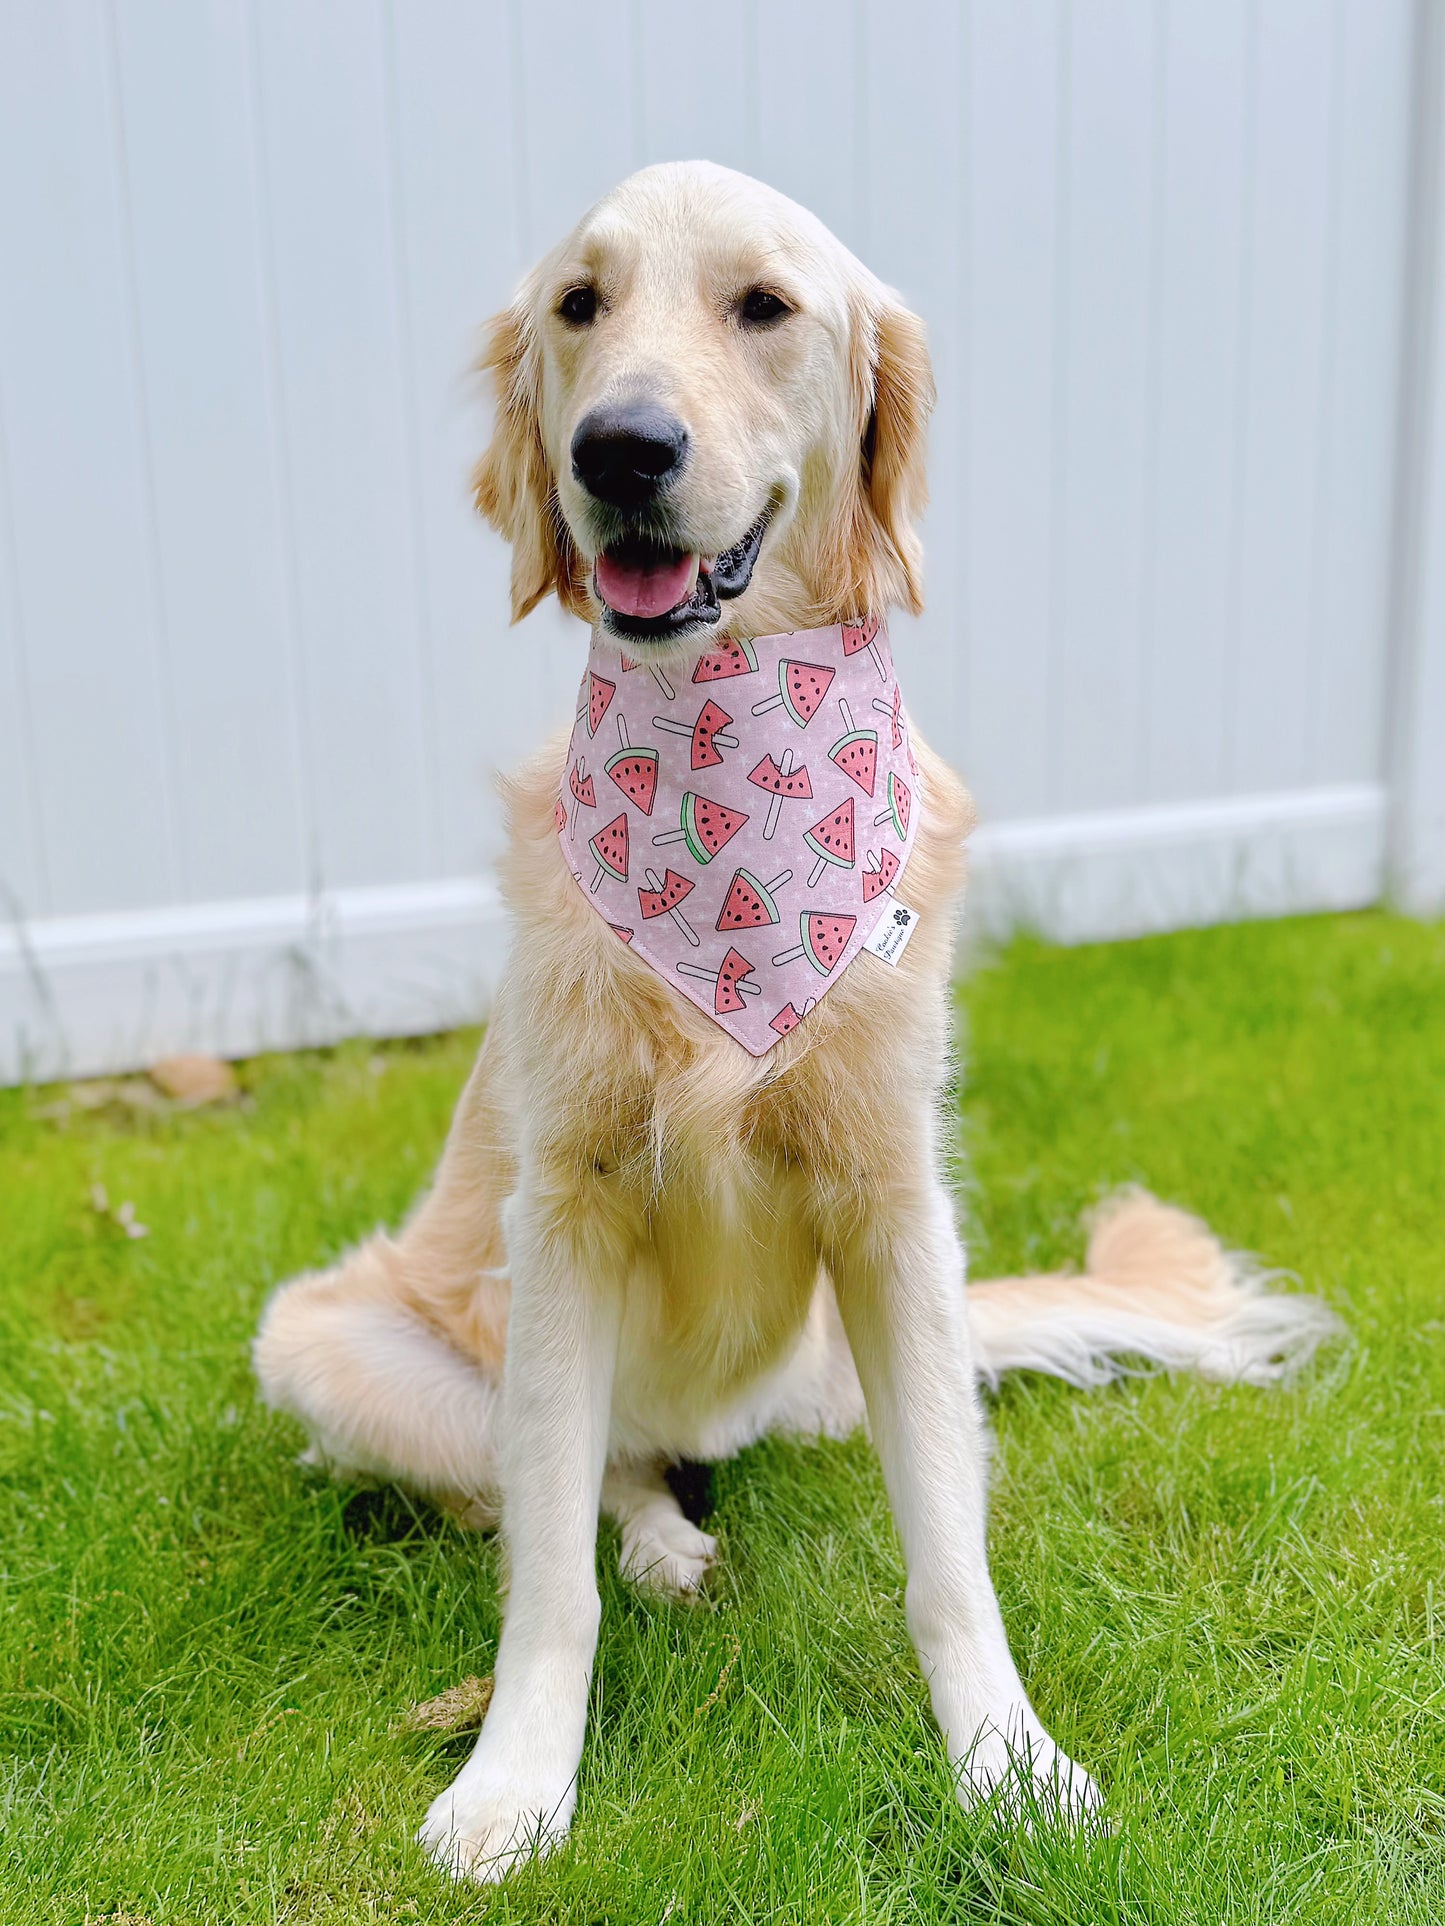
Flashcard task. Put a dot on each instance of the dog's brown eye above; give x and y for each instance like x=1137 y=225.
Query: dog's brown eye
x=760 y=306
x=578 y=305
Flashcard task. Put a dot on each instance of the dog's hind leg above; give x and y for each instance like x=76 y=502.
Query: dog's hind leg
x=380 y=1393
x=392 y=1359
x=661 y=1548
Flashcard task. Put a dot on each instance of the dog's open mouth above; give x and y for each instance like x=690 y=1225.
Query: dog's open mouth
x=649 y=590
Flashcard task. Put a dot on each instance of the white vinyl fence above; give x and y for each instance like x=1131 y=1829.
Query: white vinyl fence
x=1186 y=554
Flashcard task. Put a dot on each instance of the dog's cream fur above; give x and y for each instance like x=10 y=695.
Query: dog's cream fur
x=642 y=1243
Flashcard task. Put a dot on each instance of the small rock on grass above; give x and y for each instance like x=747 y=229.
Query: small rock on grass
x=191 y=1081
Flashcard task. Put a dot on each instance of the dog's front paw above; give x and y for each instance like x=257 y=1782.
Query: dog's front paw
x=1030 y=1780
x=480 y=1830
x=666 y=1552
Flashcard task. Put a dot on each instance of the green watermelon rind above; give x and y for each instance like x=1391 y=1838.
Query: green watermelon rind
x=634 y=754
x=691 y=835
x=816 y=669
x=761 y=894
x=809 y=948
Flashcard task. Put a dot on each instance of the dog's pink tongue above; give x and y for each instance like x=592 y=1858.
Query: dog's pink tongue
x=644 y=589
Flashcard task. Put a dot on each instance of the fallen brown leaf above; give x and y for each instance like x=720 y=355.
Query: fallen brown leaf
x=461 y=1708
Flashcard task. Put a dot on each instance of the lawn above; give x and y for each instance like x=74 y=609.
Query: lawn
x=1229 y=1603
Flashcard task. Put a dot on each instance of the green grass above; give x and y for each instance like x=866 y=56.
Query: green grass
x=1228 y=1603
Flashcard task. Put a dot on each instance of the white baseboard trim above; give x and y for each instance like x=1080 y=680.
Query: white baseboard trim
x=1135 y=872
x=83 y=996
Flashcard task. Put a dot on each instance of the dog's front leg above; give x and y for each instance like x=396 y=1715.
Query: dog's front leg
x=517 y=1791
x=899 y=1280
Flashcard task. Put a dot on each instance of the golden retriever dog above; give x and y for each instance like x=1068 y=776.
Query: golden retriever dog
x=645 y=1243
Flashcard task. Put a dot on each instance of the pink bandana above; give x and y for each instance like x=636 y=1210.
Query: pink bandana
x=744 y=832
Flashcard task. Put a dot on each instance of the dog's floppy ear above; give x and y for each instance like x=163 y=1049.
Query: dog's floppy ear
x=893 y=384
x=512 y=484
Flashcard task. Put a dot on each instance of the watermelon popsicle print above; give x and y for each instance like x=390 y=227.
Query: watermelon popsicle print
x=634 y=770
x=824 y=939
x=706 y=826
x=894 y=711
x=583 y=791
x=880 y=866
x=628 y=665
x=801 y=689
x=707 y=735
x=662 y=897
x=599 y=700
x=856 y=753
x=609 y=846
x=733 y=658
x=863 y=635
x=900 y=807
x=831 y=841
x=788 y=1019
x=782 y=782
x=728 y=979
x=750 y=904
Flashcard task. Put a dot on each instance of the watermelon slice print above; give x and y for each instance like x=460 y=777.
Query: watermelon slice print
x=559 y=815
x=878 y=873
x=801 y=689
x=900 y=806
x=863 y=636
x=599 y=700
x=749 y=904
x=856 y=753
x=662 y=897
x=628 y=665
x=824 y=939
x=831 y=841
x=706 y=734
x=618 y=930
x=729 y=987
x=733 y=658
x=893 y=710
x=788 y=1018
x=706 y=826
x=583 y=792
x=781 y=780
x=634 y=770
x=609 y=846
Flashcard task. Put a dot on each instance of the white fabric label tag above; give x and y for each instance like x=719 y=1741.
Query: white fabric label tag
x=890 y=939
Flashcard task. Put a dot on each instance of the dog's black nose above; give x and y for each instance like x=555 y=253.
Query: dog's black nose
x=624 y=455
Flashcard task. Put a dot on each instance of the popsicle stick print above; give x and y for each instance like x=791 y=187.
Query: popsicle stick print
x=728 y=979
x=705 y=826
x=749 y=903
x=801 y=689
x=880 y=866
x=900 y=807
x=831 y=841
x=856 y=751
x=609 y=846
x=862 y=636
x=782 y=781
x=634 y=770
x=788 y=1018
x=662 y=897
x=824 y=939
x=893 y=710
x=707 y=735
x=599 y=699
x=628 y=665
x=583 y=792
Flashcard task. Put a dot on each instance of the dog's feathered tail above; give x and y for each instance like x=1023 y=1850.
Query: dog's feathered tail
x=1158 y=1289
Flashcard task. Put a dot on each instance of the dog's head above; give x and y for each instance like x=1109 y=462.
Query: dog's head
x=708 y=414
